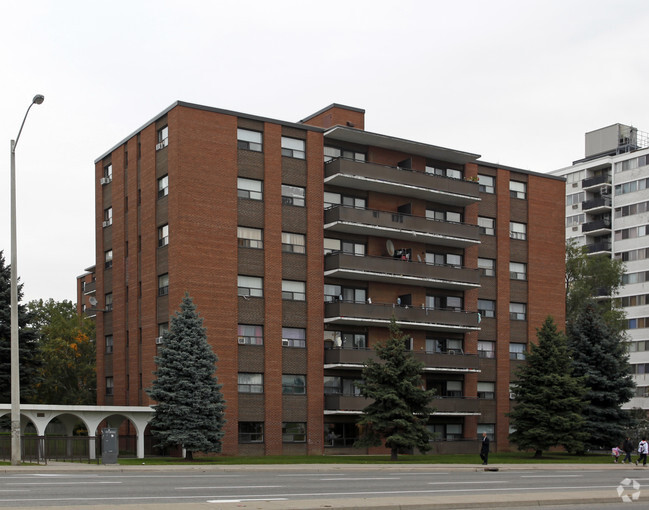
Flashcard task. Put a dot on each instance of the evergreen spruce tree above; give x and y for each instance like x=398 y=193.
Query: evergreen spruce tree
x=549 y=398
x=599 y=355
x=400 y=411
x=29 y=353
x=190 y=407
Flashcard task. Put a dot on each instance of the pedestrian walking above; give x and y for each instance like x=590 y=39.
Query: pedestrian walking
x=484 y=449
x=615 y=451
x=627 y=446
x=643 y=450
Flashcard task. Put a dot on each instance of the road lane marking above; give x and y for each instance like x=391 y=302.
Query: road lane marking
x=461 y=483
x=243 y=500
x=552 y=476
x=354 y=479
x=71 y=482
x=231 y=487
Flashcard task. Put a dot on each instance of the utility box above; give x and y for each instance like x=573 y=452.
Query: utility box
x=109 y=446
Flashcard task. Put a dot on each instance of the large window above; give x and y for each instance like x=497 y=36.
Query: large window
x=293 y=195
x=108 y=217
x=293 y=290
x=445 y=432
x=517 y=189
x=486 y=308
x=487 y=267
x=444 y=259
x=251 y=383
x=109 y=385
x=334 y=199
x=454 y=303
x=163 y=137
x=249 y=140
x=249 y=334
x=517 y=271
x=517 y=311
x=331 y=153
x=293 y=432
x=250 y=188
x=486 y=349
x=517 y=230
x=293 y=243
x=108 y=302
x=109 y=344
x=293 y=337
x=486 y=226
x=488 y=428
x=294 y=384
x=293 y=147
x=108 y=172
x=163 y=284
x=250 y=286
x=486 y=183
x=249 y=237
x=486 y=390
x=163 y=236
x=251 y=432
x=441 y=215
x=163 y=186
x=444 y=345
x=516 y=351
x=445 y=172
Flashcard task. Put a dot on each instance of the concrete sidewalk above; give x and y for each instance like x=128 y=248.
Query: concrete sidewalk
x=465 y=501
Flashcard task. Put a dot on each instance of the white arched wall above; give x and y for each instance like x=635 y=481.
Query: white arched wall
x=91 y=416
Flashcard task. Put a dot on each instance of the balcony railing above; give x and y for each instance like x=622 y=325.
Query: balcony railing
x=461 y=406
x=596 y=226
x=347 y=173
x=391 y=270
x=602 y=246
x=596 y=204
x=433 y=362
x=408 y=317
x=395 y=225
x=595 y=181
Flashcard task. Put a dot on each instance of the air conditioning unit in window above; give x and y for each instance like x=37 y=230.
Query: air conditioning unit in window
x=512 y=395
x=451 y=351
x=158 y=340
x=162 y=144
x=105 y=180
x=241 y=340
x=107 y=223
x=285 y=342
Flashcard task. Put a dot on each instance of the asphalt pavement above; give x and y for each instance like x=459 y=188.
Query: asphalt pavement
x=465 y=501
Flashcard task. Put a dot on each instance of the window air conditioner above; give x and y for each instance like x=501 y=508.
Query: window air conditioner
x=158 y=340
x=451 y=351
x=106 y=223
x=162 y=144
x=285 y=342
x=241 y=340
x=512 y=396
x=105 y=180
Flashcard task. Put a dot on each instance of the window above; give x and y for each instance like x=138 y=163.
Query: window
x=249 y=188
x=251 y=383
x=453 y=389
x=517 y=271
x=486 y=349
x=249 y=237
x=109 y=344
x=486 y=308
x=294 y=384
x=293 y=148
x=251 y=432
x=486 y=226
x=444 y=345
x=575 y=199
x=486 y=183
x=487 y=267
x=293 y=337
x=108 y=217
x=163 y=186
x=249 y=140
x=250 y=286
x=333 y=385
x=293 y=432
x=444 y=303
x=108 y=172
x=293 y=291
x=109 y=386
x=445 y=172
x=517 y=311
x=517 y=189
x=108 y=259
x=293 y=195
x=487 y=428
x=517 y=230
x=353 y=295
x=334 y=199
x=516 y=351
x=108 y=302
x=353 y=340
x=163 y=138
x=331 y=153
x=249 y=334
x=293 y=243
x=486 y=390
x=444 y=259
x=163 y=327
x=163 y=236
x=441 y=215
x=163 y=284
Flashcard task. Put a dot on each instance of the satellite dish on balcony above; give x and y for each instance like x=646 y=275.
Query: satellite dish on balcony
x=389 y=245
x=92 y=300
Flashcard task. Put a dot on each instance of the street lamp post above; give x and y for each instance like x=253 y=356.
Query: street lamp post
x=15 y=346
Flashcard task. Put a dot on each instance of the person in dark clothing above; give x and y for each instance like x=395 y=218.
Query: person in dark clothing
x=484 y=449
x=627 y=446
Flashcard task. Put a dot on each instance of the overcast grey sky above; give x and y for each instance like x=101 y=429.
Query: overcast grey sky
x=518 y=82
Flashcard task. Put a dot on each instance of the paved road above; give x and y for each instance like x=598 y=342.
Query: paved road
x=316 y=486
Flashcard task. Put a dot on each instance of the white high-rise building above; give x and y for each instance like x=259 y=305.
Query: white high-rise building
x=607 y=209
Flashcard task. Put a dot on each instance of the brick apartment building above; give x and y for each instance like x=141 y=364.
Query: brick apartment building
x=298 y=242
